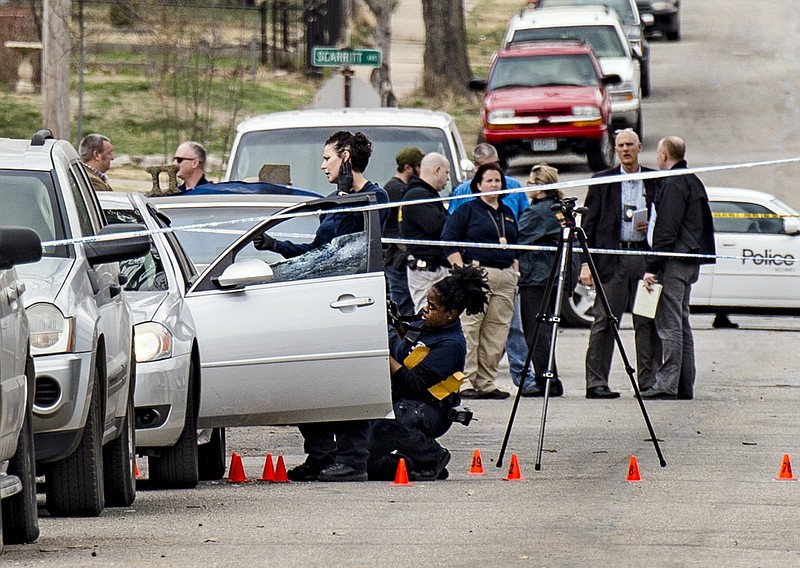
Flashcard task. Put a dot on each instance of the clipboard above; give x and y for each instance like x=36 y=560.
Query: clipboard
x=646 y=303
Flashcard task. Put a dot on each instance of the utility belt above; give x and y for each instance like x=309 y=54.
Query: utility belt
x=634 y=245
x=422 y=264
x=488 y=264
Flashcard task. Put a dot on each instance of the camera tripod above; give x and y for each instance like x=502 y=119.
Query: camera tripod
x=560 y=273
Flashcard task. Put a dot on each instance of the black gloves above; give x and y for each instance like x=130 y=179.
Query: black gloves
x=344 y=183
x=264 y=242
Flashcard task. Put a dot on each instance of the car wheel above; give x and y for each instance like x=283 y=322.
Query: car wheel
x=645 y=81
x=20 y=512
x=177 y=467
x=119 y=457
x=600 y=154
x=211 y=456
x=673 y=31
x=576 y=311
x=74 y=485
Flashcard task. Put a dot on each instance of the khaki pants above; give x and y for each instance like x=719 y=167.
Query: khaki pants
x=487 y=333
x=420 y=282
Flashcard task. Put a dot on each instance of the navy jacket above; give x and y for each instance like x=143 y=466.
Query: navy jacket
x=335 y=225
x=423 y=222
x=477 y=222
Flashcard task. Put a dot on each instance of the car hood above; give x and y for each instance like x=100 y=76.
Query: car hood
x=622 y=66
x=44 y=279
x=144 y=305
x=548 y=98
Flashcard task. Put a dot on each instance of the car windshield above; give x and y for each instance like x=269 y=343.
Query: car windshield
x=203 y=245
x=604 y=39
x=623 y=8
x=301 y=148
x=29 y=201
x=146 y=273
x=543 y=70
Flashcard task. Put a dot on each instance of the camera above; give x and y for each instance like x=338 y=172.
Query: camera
x=565 y=210
x=460 y=414
x=393 y=312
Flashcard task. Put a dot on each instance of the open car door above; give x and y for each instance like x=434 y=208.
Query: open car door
x=284 y=341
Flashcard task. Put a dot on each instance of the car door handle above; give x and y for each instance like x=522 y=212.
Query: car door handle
x=350 y=301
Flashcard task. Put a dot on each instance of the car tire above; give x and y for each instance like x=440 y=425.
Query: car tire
x=645 y=81
x=673 y=31
x=177 y=467
x=600 y=154
x=20 y=512
x=119 y=459
x=211 y=457
x=74 y=486
x=576 y=311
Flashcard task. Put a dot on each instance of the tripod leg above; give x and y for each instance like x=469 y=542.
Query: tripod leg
x=601 y=294
x=543 y=308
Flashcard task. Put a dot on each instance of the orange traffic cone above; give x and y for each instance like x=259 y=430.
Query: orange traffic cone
x=513 y=470
x=136 y=473
x=477 y=464
x=786 y=470
x=401 y=477
x=633 y=470
x=280 y=472
x=236 y=473
x=269 y=470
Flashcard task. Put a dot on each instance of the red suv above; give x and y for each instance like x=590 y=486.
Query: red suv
x=548 y=97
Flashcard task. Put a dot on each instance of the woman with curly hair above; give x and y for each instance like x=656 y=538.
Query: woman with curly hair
x=426 y=369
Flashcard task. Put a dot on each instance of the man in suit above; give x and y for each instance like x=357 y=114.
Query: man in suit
x=608 y=224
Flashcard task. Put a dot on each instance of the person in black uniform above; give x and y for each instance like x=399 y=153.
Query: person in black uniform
x=427 y=372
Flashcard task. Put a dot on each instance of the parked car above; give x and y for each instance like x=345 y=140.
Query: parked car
x=80 y=327
x=762 y=234
x=547 y=97
x=167 y=395
x=632 y=24
x=297 y=138
x=661 y=16
x=19 y=521
x=600 y=28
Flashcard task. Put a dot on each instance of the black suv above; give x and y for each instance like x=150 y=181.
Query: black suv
x=662 y=16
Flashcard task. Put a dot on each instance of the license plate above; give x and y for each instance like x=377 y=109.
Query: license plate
x=544 y=144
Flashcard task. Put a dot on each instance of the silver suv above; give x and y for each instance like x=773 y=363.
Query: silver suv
x=80 y=327
x=19 y=522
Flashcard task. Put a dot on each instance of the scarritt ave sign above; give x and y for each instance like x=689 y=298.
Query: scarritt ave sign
x=334 y=57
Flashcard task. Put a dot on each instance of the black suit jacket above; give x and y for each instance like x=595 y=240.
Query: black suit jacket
x=601 y=222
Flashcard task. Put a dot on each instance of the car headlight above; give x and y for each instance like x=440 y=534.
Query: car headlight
x=50 y=331
x=152 y=341
x=586 y=112
x=624 y=87
x=500 y=114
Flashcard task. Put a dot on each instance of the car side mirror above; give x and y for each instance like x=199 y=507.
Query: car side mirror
x=19 y=245
x=477 y=84
x=791 y=226
x=119 y=249
x=467 y=165
x=611 y=79
x=244 y=273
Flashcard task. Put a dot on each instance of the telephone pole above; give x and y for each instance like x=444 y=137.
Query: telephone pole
x=56 y=57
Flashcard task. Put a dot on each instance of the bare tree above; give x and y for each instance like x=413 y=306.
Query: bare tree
x=446 y=61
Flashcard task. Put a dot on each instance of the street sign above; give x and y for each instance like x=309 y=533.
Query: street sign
x=334 y=57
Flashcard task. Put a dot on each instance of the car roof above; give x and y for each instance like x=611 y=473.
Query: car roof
x=717 y=193
x=19 y=154
x=249 y=200
x=603 y=4
x=347 y=117
x=545 y=47
x=564 y=16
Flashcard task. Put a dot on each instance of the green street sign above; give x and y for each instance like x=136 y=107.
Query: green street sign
x=334 y=57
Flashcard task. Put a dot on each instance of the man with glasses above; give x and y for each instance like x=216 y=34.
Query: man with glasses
x=190 y=157
x=609 y=224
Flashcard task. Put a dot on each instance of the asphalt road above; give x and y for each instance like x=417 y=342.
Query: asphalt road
x=729 y=89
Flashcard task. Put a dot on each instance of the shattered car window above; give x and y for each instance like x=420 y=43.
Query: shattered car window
x=346 y=254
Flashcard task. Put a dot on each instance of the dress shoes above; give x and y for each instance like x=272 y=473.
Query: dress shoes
x=537 y=391
x=342 y=472
x=601 y=392
x=496 y=394
x=438 y=471
x=304 y=472
x=653 y=394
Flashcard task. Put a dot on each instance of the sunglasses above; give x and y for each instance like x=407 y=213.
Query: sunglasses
x=179 y=159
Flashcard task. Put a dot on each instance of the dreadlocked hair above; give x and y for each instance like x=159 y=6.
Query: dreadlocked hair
x=467 y=288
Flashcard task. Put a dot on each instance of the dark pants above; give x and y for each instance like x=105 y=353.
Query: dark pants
x=531 y=298
x=398 y=289
x=412 y=434
x=327 y=443
x=620 y=290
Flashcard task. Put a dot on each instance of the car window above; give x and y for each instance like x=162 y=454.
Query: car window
x=604 y=39
x=543 y=70
x=301 y=148
x=146 y=273
x=623 y=8
x=29 y=200
x=744 y=223
x=84 y=217
x=88 y=196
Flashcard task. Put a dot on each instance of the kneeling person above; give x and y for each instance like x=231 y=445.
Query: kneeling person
x=427 y=371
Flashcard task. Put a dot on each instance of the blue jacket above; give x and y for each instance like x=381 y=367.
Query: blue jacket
x=335 y=225
x=448 y=352
x=517 y=202
x=477 y=222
